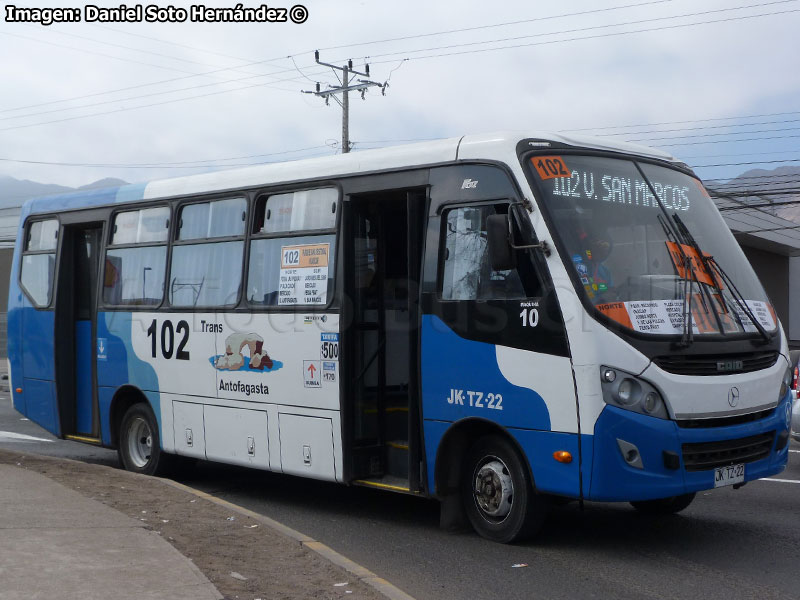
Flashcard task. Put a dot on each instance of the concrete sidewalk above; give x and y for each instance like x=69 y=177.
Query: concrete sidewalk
x=56 y=543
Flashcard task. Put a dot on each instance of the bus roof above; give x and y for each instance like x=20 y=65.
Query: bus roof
x=497 y=146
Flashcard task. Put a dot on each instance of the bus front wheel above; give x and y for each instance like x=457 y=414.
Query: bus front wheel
x=499 y=498
x=139 y=444
x=664 y=506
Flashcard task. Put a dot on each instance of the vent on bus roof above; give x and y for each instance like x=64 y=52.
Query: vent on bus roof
x=710 y=455
x=706 y=364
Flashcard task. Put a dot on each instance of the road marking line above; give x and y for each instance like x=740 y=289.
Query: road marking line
x=795 y=451
x=10 y=436
x=779 y=480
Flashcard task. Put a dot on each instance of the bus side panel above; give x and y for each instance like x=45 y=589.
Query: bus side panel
x=538 y=446
x=41 y=404
x=461 y=378
x=38 y=381
x=15 y=319
x=117 y=365
x=37 y=344
x=464 y=379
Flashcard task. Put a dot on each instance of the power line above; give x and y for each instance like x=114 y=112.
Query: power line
x=594 y=27
x=130 y=60
x=708 y=135
x=291 y=56
x=705 y=120
x=172 y=91
x=776 y=137
x=704 y=127
x=495 y=25
x=738 y=164
x=194 y=164
x=522 y=45
x=590 y=37
x=119 y=110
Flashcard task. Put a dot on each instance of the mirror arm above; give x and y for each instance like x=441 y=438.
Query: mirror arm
x=543 y=246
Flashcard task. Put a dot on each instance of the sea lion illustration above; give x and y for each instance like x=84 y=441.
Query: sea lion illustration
x=233 y=359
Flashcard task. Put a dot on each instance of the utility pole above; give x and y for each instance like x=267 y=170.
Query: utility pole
x=348 y=84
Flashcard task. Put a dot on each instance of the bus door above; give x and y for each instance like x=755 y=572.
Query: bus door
x=75 y=331
x=381 y=336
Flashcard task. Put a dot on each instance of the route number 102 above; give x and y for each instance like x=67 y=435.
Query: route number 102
x=530 y=317
x=168 y=331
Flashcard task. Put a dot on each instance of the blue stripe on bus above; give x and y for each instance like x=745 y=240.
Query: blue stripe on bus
x=461 y=378
x=122 y=366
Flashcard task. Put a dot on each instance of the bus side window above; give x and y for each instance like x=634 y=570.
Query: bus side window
x=37 y=269
x=290 y=268
x=135 y=262
x=466 y=270
x=206 y=265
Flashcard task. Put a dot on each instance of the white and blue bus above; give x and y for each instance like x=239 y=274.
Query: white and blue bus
x=493 y=321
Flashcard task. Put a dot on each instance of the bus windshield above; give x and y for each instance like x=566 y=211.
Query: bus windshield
x=652 y=267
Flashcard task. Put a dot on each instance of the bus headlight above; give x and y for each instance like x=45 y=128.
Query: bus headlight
x=786 y=382
x=627 y=391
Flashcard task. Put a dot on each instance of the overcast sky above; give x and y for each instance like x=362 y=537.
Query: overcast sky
x=113 y=94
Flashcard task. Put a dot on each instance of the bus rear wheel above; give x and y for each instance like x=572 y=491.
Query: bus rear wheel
x=139 y=444
x=498 y=495
x=664 y=506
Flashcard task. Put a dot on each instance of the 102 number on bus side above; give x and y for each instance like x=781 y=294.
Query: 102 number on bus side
x=475 y=399
x=168 y=339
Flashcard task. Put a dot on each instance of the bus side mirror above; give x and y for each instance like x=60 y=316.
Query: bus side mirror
x=501 y=254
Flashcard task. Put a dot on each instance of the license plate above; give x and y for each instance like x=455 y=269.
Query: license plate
x=730 y=475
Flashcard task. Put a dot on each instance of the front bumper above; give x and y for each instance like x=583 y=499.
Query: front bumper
x=613 y=479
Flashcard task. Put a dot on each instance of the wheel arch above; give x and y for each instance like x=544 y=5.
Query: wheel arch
x=449 y=463
x=455 y=442
x=125 y=397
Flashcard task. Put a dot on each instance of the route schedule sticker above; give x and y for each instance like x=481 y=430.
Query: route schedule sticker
x=667 y=317
x=304 y=274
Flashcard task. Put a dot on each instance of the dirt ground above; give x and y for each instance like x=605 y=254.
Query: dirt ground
x=243 y=558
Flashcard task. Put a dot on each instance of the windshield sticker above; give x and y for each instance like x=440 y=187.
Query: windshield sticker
x=304 y=274
x=616 y=311
x=550 y=167
x=666 y=317
x=699 y=272
x=762 y=311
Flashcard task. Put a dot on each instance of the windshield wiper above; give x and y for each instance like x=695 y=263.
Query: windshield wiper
x=740 y=301
x=709 y=263
x=687 y=335
x=687 y=235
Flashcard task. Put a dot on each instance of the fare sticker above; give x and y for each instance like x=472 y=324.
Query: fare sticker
x=304 y=275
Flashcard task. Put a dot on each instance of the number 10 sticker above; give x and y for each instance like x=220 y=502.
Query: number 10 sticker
x=550 y=167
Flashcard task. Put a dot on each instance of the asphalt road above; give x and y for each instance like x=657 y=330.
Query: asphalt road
x=728 y=544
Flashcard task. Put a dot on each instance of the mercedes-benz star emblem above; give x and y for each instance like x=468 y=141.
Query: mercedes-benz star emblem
x=733 y=396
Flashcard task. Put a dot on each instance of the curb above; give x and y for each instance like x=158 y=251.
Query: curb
x=379 y=584
x=362 y=573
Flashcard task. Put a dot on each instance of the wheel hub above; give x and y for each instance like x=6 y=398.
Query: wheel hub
x=494 y=490
x=140 y=442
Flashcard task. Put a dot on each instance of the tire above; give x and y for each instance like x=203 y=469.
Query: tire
x=498 y=495
x=664 y=506
x=139 y=443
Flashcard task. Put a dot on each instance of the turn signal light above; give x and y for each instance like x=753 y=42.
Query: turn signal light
x=19 y=390
x=562 y=456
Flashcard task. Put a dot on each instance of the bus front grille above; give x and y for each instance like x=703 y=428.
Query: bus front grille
x=715 y=364
x=704 y=456
x=724 y=421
